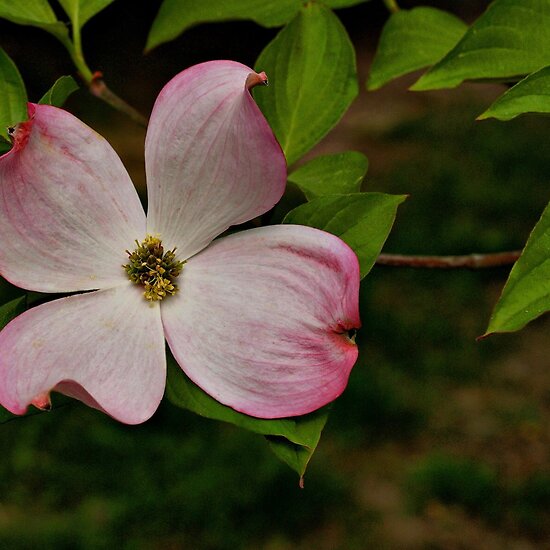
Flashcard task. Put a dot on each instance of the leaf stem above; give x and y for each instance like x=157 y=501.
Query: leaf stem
x=95 y=81
x=392 y=5
x=468 y=261
x=77 y=58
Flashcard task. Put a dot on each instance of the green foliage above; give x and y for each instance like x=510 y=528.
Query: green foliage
x=311 y=69
x=80 y=11
x=297 y=456
x=362 y=220
x=411 y=40
x=13 y=96
x=530 y=95
x=36 y=13
x=330 y=174
x=453 y=480
x=62 y=88
x=527 y=291
x=176 y=16
x=294 y=439
x=511 y=39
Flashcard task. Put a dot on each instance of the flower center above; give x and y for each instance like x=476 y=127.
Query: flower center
x=153 y=268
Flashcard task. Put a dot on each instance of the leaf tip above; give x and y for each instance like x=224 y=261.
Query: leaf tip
x=485 y=115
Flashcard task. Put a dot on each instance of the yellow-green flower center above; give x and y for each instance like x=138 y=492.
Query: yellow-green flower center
x=153 y=268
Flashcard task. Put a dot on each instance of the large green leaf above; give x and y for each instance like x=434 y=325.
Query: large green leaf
x=362 y=220
x=411 y=40
x=330 y=174
x=527 y=291
x=62 y=88
x=311 y=66
x=303 y=431
x=36 y=13
x=8 y=312
x=530 y=95
x=13 y=97
x=175 y=16
x=80 y=11
x=511 y=39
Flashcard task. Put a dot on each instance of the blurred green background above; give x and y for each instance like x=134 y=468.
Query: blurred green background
x=439 y=442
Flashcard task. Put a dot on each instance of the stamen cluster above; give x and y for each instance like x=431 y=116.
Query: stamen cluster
x=153 y=268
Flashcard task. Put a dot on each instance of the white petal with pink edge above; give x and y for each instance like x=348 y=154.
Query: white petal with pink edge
x=105 y=348
x=68 y=210
x=262 y=318
x=211 y=159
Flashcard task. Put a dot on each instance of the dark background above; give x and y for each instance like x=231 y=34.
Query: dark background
x=439 y=441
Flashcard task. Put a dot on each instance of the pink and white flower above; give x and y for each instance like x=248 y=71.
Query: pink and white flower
x=261 y=317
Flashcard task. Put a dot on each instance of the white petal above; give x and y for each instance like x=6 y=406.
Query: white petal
x=211 y=159
x=105 y=348
x=262 y=318
x=68 y=210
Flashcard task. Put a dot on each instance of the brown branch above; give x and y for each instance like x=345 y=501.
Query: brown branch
x=99 y=89
x=469 y=261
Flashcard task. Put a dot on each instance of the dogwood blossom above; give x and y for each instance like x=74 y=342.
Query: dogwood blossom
x=258 y=319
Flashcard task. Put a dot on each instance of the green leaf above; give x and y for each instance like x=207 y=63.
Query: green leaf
x=531 y=95
x=27 y=12
x=511 y=39
x=36 y=13
x=176 y=16
x=330 y=174
x=80 y=11
x=362 y=220
x=62 y=88
x=298 y=456
x=303 y=432
x=527 y=291
x=311 y=66
x=8 y=312
x=411 y=40
x=13 y=97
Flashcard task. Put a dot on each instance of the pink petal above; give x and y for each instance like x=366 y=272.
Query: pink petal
x=261 y=320
x=68 y=210
x=211 y=159
x=105 y=348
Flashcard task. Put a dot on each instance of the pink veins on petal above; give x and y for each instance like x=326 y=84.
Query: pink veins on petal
x=258 y=319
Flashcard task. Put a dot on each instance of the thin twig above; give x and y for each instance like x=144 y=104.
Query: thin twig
x=469 y=261
x=98 y=88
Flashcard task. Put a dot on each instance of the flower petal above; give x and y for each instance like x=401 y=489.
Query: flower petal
x=105 y=348
x=261 y=319
x=68 y=210
x=211 y=159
